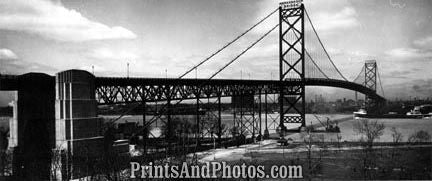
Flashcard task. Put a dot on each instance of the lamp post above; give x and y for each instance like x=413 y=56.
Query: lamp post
x=127 y=70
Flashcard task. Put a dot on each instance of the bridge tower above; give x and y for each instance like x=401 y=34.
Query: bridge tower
x=370 y=82
x=291 y=63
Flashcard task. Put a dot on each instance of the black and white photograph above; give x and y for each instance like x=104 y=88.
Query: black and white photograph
x=113 y=90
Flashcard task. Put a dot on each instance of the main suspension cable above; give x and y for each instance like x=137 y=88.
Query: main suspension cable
x=243 y=52
x=153 y=119
x=228 y=44
x=212 y=55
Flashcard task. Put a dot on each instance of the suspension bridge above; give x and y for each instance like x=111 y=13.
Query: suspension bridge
x=68 y=101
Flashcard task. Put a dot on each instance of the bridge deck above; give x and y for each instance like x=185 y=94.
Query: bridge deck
x=119 y=90
x=112 y=90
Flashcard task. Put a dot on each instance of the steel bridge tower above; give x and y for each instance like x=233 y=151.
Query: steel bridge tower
x=291 y=63
x=370 y=82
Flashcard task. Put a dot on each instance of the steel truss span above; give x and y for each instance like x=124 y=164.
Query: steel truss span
x=111 y=90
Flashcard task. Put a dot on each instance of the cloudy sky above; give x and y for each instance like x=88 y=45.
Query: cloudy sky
x=166 y=37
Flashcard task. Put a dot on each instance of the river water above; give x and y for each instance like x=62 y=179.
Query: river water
x=404 y=126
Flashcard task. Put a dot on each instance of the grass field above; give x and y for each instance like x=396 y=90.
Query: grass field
x=396 y=163
x=347 y=162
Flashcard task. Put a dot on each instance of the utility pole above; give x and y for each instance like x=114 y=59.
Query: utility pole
x=93 y=69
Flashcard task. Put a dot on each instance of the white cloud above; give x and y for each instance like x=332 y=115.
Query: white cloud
x=424 y=42
x=408 y=53
x=356 y=54
x=260 y=51
x=335 y=15
x=397 y=3
x=54 y=21
x=334 y=51
x=346 y=18
x=7 y=54
x=359 y=54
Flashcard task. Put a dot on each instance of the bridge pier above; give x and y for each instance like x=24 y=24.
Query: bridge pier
x=260 y=115
x=169 y=130
x=78 y=129
x=146 y=130
x=245 y=114
x=210 y=125
x=198 y=137
x=219 y=120
x=34 y=121
x=55 y=125
x=271 y=121
x=266 y=131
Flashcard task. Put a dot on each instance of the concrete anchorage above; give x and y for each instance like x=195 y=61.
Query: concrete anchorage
x=79 y=133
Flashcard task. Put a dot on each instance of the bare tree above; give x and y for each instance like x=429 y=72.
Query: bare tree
x=339 y=139
x=419 y=136
x=369 y=129
x=80 y=165
x=323 y=147
x=310 y=141
x=6 y=157
x=56 y=164
x=7 y=169
x=396 y=135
